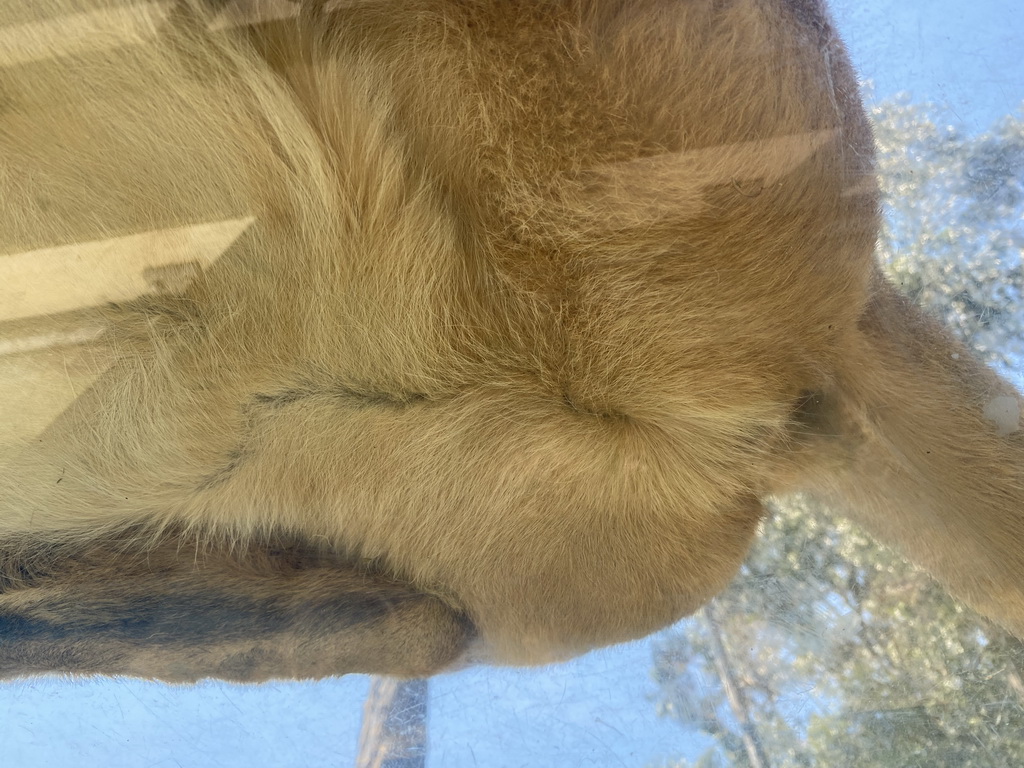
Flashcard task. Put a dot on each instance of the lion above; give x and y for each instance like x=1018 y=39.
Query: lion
x=524 y=311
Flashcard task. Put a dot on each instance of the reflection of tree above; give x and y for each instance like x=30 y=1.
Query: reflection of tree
x=953 y=231
x=838 y=652
x=735 y=692
x=394 y=733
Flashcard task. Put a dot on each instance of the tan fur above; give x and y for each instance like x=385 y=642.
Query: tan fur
x=541 y=299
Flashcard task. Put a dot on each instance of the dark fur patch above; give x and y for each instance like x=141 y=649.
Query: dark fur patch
x=247 y=664
x=192 y=619
x=179 y=612
x=282 y=398
x=814 y=412
x=353 y=396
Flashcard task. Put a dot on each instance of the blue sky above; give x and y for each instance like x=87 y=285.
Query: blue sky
x=969 y=56
x=593 y=712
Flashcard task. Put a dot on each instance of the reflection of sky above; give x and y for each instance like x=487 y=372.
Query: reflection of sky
x=968 y=55
x=594 y=712
x=591 y=712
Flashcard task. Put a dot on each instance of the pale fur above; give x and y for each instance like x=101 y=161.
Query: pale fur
x=540 y=302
